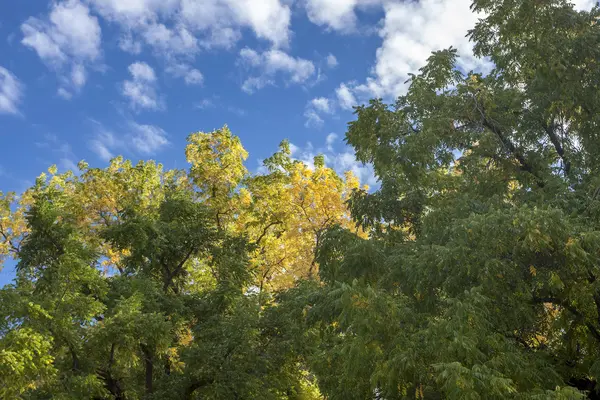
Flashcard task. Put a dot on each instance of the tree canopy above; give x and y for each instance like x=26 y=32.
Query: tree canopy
x=472 y=272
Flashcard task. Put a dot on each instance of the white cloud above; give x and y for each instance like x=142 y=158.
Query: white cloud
x=332 y=62
x=78 y=75
x=222 y=20
x=129 y=45
x=147 y=139
x=11 y=92
x=212 y=23
x=330 y=140
x=190 y=75
x=253 y=84
x=101 y=149
x=338 y=15
x=176 y=41
x=272 y=63
x=66 y=164
x=194 y=77
x=411 y=31
x=138 y=138
x=141 y=89
x=345 y=97
x=315 y=107
x=321 y=104
x=584 y=4
x=104 y=144
x=313 y=119
x=64 y=93
x=346 y=161
x=142 y=72
x=69 y=35
x=250 y=57
x=270 y=19
x=294 y=149
x=134 y=12
x=340 y=161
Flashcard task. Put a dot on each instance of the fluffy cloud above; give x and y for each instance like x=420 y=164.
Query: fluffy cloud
x=176 y=41
x=141 y=89
x=314 y=109
x=269 y=19
x=142 y=72
x=216 y=23
x=130 y=45
x=134 y=12
x=332 y=62
x=138 y=138
x=11 y=92
x=330 y=140
x=70 y=35
x=584 y=4
x=411 y=31
x=346 y=161
x=104 y=144
x=78 y=75
x=313 y=119
x=321 y=104
x=340 y=161
x=345 y=97
x=338 y=15
x=147 y=139
x=190 y=75
x=272 y=63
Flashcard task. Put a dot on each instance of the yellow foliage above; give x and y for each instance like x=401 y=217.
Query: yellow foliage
x=284 y=213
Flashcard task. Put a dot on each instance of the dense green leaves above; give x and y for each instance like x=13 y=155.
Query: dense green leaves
x=480 y=276
x=472 y=272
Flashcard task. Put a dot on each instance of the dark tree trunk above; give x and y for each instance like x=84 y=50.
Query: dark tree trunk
x=149 y=368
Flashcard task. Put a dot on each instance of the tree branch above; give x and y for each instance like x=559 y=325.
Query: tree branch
x=7 y=240
x=524 y=165
x=172 y=274
x=189 y=391
x=550 y=130
x=264 y=232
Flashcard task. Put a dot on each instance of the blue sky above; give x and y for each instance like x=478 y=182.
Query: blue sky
x=91 y=79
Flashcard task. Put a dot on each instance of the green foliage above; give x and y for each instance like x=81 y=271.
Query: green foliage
x=171 y=319
x=473 y=272
x=479 y=279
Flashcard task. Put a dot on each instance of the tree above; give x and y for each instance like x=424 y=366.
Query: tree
x=283 y=212
x=480 y=276
x=287 y=211
x=136 y=283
